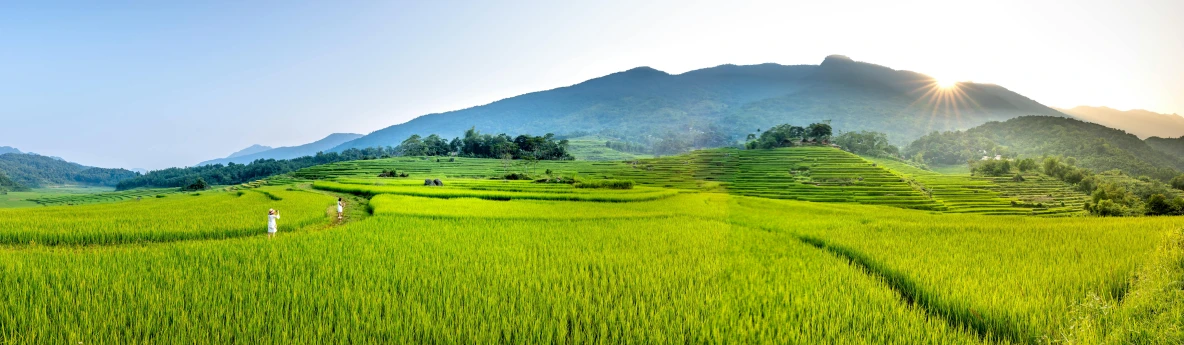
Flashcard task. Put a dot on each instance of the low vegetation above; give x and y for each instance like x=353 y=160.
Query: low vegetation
x=176 y=217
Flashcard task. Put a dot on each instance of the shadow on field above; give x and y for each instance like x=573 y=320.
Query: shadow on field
x=915 y=295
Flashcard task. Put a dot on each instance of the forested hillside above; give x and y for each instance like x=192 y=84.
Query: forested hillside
x=1171 y=146
x=1093 y=146
x=32 y=170
x=232 y=173
x=654 y=108
x=8 y=185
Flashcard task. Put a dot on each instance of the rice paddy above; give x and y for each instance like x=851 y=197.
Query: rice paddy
x=794 y=246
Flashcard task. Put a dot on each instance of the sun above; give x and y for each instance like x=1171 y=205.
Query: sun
x=945 y=83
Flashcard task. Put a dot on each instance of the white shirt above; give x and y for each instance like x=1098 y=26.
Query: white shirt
x=271 y=222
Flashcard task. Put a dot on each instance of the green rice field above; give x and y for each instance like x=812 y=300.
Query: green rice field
x=787 y=246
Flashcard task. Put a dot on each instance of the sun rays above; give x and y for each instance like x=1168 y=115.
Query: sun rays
x=945 y=100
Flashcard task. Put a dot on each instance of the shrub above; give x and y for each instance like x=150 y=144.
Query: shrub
x=513 y=176
x=560 y=179
x=605 y=184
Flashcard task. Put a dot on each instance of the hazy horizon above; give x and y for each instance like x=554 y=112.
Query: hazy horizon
x=160 y=85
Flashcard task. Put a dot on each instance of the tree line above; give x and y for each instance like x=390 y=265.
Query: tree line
x=787 y=135
x=478 y=145
x=232 y=173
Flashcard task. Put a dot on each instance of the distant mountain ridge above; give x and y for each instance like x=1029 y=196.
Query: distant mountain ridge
x=1139 y=122
x=8 y=149
x=247 y=156
x=643 y=103
x=1171 y=146
x=253 y=149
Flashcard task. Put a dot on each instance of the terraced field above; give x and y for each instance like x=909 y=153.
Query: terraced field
x=79 y=199
x=805 y=173
x=517 y=262
x=1036 y=195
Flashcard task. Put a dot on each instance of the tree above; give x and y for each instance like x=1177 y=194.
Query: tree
x=200 y=184
x=1026 y=164
x=819 y=131
x=1178 y=182
x=413 y=146
x=1159 y=205
x=867 y=143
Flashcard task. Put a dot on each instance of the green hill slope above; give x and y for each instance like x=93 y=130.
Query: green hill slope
x=31 y=170
x=8 y=185
x=1094 y=146
x=1171 y=146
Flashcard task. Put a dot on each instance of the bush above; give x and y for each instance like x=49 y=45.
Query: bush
x=200 y=184
x=566 y=180
x=605 y=184
x=514 y=176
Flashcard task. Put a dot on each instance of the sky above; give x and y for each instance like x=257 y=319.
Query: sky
x=155 y=84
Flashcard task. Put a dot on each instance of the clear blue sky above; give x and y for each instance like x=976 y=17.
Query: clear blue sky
x=153 y=84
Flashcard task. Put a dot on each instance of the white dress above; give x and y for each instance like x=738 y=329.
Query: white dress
x=339 y=208
x=271 y=223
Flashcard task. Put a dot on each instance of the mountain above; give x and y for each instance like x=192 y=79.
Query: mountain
x=287 y=152
x=32 y=170
x=8 y=149
x=1171 y=146
x=253 y=149
x=644 y=104
x=1137 y=121
x=1093 y=146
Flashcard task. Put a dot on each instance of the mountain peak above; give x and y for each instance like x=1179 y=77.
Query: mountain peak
x=644 y=71
x=836 y=59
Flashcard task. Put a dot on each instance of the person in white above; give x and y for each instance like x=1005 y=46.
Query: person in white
x=340 y=208
x=272 y=215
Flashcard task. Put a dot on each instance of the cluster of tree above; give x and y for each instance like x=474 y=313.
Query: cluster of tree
x=32 y=170
x=433 y=145
x=787 y=135
x=949 y=148
x=218 y=174
x=1001 y=167
x=478 y=145
x=1113 y=193
x=1096 y=147
x=867 y=143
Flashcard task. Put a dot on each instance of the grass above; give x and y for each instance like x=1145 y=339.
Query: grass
x=1012 y=277
x=592 y=148
x=26 y=199
x=516 y=262
x=448 y=192
x=411 y=280
x=211 y=215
